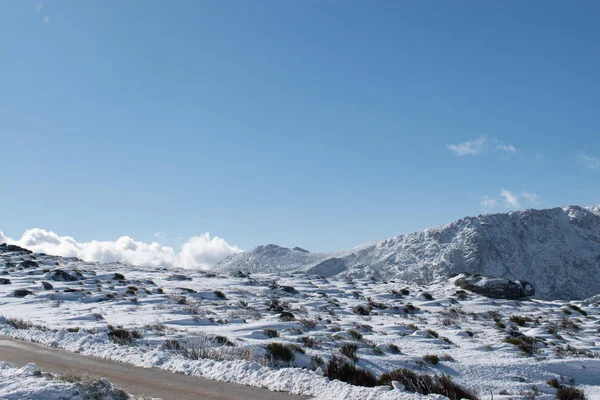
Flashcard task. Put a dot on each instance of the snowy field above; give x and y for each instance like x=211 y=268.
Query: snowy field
x=281 y=331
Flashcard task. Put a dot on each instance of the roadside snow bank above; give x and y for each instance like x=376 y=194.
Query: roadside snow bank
x=292 y=380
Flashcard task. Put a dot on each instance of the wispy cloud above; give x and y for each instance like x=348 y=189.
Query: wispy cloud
x=507 y=148
x=481 y=145
x=531 y=197
x=471 y=147
x=488 y=202
x=39 y=7
x=201 y=251
x=508 y=199
x=46 y=19
x=588 y=161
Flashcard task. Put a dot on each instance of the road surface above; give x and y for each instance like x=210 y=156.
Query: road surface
x=138 y=381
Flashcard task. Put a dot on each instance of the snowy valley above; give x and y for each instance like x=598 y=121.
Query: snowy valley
x=328 y=337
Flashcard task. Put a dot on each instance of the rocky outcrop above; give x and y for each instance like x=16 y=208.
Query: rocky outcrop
x=494 y=287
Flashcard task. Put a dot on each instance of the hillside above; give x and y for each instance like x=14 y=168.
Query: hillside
x=557 y=250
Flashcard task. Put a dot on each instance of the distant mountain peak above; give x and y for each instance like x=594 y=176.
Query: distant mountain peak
x=556 y=249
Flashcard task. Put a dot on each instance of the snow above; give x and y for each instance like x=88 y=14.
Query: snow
x=29 y=383
x=469 y=343
x=557 y=250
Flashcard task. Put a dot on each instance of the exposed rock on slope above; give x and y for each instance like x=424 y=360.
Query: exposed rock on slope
x=557 y=250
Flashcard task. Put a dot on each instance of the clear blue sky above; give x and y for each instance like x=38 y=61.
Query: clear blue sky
x=322 y=124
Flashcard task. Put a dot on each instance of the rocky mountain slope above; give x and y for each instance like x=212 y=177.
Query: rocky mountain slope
x=557 y=250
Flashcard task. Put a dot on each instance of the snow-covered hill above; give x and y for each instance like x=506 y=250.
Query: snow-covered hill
x=558 y=250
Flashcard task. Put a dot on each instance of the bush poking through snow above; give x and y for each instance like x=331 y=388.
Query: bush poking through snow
x=427 y=384
x=570 y=393
x=349 y=350
x=281 y=352
x=220 y=295
x=271 y=333
x=431 y=359
x=308 y=341
x=525 y=343
x=123 y=336
x=339 y=368
x=308 y=324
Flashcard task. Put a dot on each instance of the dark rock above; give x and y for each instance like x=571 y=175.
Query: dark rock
x=178 y=277
x=498 y=288
x=22 y=293
x=4 y=281
x=47 y=285
x=288 y=289
x=187 y=290
x=60 y=276
x=301 y=249
x=363 y=309
x=29 y=264
x=238 y=274
x=4 y=247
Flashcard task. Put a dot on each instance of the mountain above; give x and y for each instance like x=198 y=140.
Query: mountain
x=557 y=250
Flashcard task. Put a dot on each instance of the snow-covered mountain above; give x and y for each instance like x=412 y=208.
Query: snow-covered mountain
x=558 y=250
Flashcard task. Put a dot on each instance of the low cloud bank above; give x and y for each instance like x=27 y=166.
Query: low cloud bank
x=201 y=251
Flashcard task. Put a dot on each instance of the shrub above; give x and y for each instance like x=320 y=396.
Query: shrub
x=405 y=292
x=287 y=316
x=338 y=368
x=426 y=384
x=271 y=333
x=349 y=350
x=119 y=276
x=427 y=296
x=576 y=308
x=431 y=359
x=356 y=335
x=570 y=393
x=308 y=341
x=461 y=294
x=432 y=333
x=521 y=321
x=363 y=309
x=394 y=348
x=281 y=352
x=123 y=336
x=308 y=323
x=18 y=323
x=377 y=351
x=525 y=343
x=220 y=294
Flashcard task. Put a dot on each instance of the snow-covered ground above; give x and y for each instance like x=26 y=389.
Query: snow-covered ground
x=220 y=327
x=32 y=384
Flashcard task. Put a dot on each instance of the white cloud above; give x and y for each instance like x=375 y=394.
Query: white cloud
x=479 y=146
x=488 y=202
x=39 y=7
x=160 y=235
x=588 y=161
x=531 y=197
x=471 y=147
x=508 y=148
x=510 y=199
x=46 y=19
x=198 y=252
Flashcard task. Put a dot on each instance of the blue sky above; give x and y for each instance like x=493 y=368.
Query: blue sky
x=321 y=124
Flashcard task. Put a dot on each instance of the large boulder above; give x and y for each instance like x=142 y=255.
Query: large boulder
x=5 y=247
x=60 y=276
x=498 y=288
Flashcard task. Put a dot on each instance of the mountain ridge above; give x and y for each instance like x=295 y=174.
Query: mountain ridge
x=556 y=249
